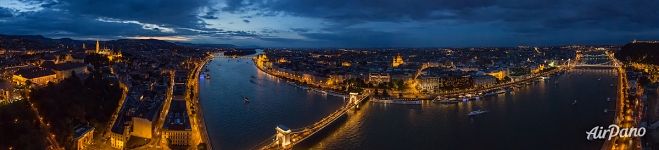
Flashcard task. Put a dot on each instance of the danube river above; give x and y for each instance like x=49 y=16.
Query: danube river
x=543 y=115
x=233 y=124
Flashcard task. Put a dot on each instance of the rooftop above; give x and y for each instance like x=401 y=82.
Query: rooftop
x=31 y=73
x=177 y=117
x=67 y=66
x=81 y=130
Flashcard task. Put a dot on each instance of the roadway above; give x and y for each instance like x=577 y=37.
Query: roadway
x=197 y=121
x=627 y=115
x=50 y=137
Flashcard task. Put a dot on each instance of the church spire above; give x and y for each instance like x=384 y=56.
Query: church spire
x=98 y=46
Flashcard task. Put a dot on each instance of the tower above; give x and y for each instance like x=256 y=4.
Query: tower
x=283 y=136
x=84 y=47
x=353 y=99
x=98 y=46
x=397 y=61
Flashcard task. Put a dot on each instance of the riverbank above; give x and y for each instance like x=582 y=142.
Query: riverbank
x=303 y=86
x=201 y=123
x=429 y=125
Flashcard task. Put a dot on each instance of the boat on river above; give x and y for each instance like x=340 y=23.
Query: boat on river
x=476 y=112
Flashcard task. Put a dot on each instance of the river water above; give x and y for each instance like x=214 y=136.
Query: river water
x=537 y=116
x=232 y=124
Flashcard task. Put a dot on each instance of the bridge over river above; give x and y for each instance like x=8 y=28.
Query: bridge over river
x=286 y=138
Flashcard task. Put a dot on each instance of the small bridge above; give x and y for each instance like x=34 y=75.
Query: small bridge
x=286 y=138
x=236 y=57
x=596 y=61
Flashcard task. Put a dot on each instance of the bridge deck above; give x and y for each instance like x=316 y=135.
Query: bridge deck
x=300 y=134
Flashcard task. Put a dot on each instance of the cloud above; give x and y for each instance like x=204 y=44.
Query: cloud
x=22 y=6
x=209 y=13
x=166 y=38
x=147 y=26
x=170 y=12
x=109 y=19
x=5 y=13
x=511 y=14
x=336 y=23
x=300 y=29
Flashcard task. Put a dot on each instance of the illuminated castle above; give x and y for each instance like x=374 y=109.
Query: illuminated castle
x=398 y=60
x=112 y=55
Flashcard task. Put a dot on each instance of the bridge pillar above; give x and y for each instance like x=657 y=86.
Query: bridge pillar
x=353 y=99
x=283 y=137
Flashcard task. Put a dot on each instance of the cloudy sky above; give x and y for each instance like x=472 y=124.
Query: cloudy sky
x=340 y=23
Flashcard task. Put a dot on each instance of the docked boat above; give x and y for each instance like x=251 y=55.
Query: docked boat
x=501 y=91
x=318 y=91
x=398 y=101
x=476 y=112
x=443 y=100
x=490 y=93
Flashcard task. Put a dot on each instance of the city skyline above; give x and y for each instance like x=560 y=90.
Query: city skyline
x=292 y=23
x=330 y=74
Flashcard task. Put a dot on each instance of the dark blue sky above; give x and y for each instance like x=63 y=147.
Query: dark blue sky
x=340 y=23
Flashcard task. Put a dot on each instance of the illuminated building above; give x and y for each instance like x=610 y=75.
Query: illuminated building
x=38 y=76
x=307 y=78
x=120 y=131
x=537 y=69
x=282 y=60
x=263 y=61
x=177 y=129
x=397 y=61
x=499 y=74
x=377 y=78
x=346 y=64
x=483 y=81
x=119 y=135
x=110 y=54
x=82 y=136
x=145 y=116
x=66 y=70
x=432 y=83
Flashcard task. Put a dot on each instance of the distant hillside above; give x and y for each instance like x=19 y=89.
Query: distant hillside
x=139 y=44
x=207 y=45
x=38 y=42
x=640 y=52
x=35 y=42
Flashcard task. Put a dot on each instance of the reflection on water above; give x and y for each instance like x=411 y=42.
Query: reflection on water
x=539 y=116
x=232 y=124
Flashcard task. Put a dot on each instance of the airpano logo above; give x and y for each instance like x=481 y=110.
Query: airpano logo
x=600 y=132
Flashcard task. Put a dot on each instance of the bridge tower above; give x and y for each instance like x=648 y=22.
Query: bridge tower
x=283 y=137
x=353 y=99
